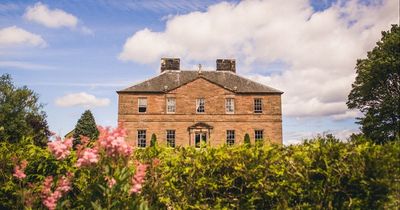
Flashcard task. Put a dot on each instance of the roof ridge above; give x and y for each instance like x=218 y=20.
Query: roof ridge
x=259 y=83
x=168 y=81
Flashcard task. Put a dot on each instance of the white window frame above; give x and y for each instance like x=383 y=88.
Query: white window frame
x=141 y=104
x=230 y=105
x=171 y=135
x=230 y=137
x=256 y=106
x=200 y=102
x=171 y=105
x=141 y=138
x=258 y=132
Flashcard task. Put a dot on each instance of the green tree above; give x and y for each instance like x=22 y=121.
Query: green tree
x=21 y=114
x=153 y=140
x=247 y=139
x=376 y=90
x=86 y=126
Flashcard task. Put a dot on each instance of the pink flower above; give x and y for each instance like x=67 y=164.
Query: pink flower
x=113 y=142
x=49 y=197
x=88 y=157
x=60 y=149
x=19 y=170
x=110 y=181
x=138 y=178
x=156 y=162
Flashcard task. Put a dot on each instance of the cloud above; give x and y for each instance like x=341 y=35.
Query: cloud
x=25 y=65
x=347 y=114
x=297 y=137
x=81 y=99
x=13 y=35
x=56 y=18
x=318 y=49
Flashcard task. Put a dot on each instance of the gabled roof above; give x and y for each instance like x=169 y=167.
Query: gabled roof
x=169 y=80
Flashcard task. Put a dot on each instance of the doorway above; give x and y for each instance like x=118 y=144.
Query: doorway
x=200 y=138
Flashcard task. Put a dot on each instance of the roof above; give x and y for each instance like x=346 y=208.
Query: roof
x=169 y=80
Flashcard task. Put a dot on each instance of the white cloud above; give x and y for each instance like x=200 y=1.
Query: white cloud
x=56 y=18
x=25 y=65
x=81 y=99
x=13 y=35
x=296 y=137
x=346 y=115
x=319 y=49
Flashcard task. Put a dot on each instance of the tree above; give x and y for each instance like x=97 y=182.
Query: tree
x=21 y=114
x=86 y=126
x=247 y=139
x=376 y=90
x=153 y=140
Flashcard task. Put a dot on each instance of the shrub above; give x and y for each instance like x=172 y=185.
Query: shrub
x=247 y=139
x=321 y=173
x=153 y=141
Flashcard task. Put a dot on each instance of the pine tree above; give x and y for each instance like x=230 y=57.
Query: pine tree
x=247 y=139
x=153 y=140
x=86 y=126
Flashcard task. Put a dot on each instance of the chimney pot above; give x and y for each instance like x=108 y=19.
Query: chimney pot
x=170 y=64
x=226 y=65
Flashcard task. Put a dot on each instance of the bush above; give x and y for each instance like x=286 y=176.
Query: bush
x=321 y=173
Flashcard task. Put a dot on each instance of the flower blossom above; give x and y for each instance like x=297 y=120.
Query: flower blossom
x=113 y=142
x=88 y=157
x=110 y=181
x=49 y=197
x=19 y=170
x=138 y=178
x=156 y=162
x=60 y=149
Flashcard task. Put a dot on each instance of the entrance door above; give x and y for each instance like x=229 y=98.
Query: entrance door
x=200 y=138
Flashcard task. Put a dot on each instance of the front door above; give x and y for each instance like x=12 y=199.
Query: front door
x=200 y=138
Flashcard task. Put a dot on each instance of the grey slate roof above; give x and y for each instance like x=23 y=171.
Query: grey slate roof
x=169 y=80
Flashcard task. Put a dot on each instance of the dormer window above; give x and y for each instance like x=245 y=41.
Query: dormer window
x=200 y=103
x=142 y=102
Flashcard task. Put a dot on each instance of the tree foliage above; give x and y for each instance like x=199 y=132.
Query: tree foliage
x=246 y=139
x=321 y=173
x=376 y=90
x=86 y=126
x=153 y=140
x=21 y=114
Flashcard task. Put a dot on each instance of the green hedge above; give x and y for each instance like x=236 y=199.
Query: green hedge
x=322 y=173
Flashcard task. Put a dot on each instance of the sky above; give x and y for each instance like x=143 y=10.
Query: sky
x=77 y=54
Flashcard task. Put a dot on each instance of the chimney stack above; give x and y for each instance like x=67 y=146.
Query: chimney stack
x=226 y=65
x=170 y=64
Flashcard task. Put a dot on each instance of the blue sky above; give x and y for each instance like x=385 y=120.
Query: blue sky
x=86 y=50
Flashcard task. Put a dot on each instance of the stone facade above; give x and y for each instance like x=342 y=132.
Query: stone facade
x=212 y=125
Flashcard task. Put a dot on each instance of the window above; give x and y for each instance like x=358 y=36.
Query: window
x=171 y=104
x=142 y=104
x=258 y=135
x=141 y=138
x=171 y=138
x=230 y=105
x=257 y=105
x=230 y=137
x=200 y=105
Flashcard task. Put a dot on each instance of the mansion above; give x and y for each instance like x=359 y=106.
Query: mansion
x=187 y=108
